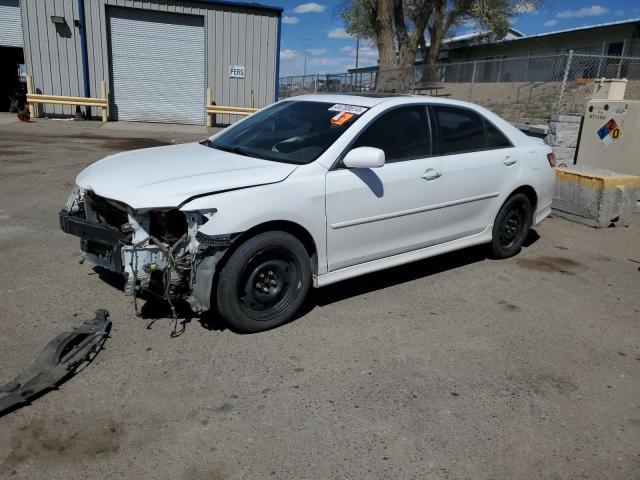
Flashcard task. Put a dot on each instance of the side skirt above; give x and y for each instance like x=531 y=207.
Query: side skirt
x=401 y=259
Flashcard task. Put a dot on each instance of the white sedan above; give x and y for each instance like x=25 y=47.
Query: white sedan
x=307 y=192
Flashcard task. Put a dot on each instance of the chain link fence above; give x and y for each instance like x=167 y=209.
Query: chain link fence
x=521 y=89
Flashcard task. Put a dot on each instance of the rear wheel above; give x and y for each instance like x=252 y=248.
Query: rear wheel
x=511 y=226
x=264 y=282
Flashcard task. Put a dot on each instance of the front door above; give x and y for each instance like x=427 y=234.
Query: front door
x=375 y=213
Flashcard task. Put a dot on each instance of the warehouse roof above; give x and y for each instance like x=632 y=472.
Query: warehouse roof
x=576 y=29
x=252 y=5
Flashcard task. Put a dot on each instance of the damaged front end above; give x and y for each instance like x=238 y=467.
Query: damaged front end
x=159 y=251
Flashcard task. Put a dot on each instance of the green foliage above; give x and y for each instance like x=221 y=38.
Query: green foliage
x=494 y=15
x=359 y=17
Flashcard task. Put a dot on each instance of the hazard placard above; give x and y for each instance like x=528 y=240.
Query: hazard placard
x=609 y=132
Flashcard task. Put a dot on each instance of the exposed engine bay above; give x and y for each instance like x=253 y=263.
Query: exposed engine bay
x=158 y=251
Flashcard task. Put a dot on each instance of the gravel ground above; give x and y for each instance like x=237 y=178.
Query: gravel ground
x=456 y=367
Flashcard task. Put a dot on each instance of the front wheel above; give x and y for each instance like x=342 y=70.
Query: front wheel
x=264 y=282
x=511 y=226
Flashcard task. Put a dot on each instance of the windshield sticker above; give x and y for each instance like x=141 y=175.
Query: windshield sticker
x=341 y=118
x=354 y=109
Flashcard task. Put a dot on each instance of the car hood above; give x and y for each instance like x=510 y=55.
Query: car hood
x=168 y=176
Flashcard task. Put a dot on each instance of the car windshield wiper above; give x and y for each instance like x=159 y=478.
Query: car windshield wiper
x=238 y=150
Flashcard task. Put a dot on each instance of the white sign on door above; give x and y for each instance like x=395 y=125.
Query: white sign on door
x=236 y=71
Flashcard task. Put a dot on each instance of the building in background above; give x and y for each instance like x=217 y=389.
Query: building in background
x=157 y=57
x=616 y=38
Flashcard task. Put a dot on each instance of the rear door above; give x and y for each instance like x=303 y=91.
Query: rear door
x=378 y=212
x=479 y=167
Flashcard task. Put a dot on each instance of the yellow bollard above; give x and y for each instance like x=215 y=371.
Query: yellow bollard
x=103 y=96
x=209 y=99
x=33 y=106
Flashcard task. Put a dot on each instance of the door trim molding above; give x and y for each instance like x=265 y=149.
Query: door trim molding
x=401 y=258
x=412 y=211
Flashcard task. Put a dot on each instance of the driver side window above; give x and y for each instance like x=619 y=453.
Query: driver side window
x=402 y=133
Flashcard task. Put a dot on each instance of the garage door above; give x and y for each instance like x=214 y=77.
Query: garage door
x=10 y=24
x=157 y=62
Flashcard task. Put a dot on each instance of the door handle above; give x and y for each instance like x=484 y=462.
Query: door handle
x=508 y=161
x=431 y=174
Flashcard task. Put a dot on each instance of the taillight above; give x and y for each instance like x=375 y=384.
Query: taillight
x=552 y=159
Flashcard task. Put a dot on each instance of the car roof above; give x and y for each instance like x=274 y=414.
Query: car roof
x=371 y=100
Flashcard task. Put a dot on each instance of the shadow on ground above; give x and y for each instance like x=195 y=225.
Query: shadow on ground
x=154 y=308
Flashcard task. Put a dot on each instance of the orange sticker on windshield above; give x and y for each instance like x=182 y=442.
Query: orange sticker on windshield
x=341 y=118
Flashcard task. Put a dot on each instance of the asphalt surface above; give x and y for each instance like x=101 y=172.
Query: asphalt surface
x=455 y=367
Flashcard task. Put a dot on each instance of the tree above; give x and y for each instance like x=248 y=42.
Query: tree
x=398 y=28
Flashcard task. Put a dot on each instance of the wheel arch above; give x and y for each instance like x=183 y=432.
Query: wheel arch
x=531 y=194
x=293 y=228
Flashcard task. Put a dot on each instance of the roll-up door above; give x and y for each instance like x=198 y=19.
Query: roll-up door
x=10 y=24
x=158 y=66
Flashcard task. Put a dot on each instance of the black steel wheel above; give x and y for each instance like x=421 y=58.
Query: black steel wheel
x=264 y=282
x=511 y=226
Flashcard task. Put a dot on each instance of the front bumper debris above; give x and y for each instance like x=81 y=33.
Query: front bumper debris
x=59 y=359
x=160 y=251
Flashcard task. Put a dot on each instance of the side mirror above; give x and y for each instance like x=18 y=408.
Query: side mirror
x=364 y=157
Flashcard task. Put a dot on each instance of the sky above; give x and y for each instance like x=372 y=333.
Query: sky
x=315 y=28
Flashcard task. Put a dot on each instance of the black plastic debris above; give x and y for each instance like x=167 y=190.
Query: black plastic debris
x=59 y=359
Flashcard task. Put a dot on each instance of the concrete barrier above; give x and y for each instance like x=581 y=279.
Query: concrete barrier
x=595 y=197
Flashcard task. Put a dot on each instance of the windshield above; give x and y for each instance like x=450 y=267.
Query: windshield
x=292 y=132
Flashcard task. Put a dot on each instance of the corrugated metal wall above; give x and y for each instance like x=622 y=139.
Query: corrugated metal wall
x=52 y=52
x=234 y=36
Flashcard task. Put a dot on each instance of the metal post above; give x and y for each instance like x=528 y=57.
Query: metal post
x=34 y=106
x=413 y=80
x=473 y=79
x=564 y=79
x=600 y=61
x=315 y=85
x=103 y=95
x=624 y=44
x=209 y=98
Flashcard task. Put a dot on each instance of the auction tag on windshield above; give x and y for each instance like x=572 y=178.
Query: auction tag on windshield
x=341 y=118
x=354 y=109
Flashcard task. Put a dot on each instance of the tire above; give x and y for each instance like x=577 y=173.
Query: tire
x=264 y=282
x=511 y=226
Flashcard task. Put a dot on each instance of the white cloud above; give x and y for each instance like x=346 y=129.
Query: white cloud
x=551 y=23
x=309 y=7
x=325 y=61
x=316 y=51
x=288 y=55
x=338 y=33
x=347 y=48
x=592 y=11
x=290 y=20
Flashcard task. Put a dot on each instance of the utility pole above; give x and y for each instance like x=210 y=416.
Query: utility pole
x=305 y=46
x=357 y=49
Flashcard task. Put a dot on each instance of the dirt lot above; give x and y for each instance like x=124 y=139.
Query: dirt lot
x=456 y=367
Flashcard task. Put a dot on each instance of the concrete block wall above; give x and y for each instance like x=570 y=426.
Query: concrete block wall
x=562 y=137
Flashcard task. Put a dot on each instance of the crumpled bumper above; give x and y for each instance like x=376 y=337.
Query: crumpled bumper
x=59 y=359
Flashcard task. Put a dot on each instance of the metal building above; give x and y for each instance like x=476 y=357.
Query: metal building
x=157 y=57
